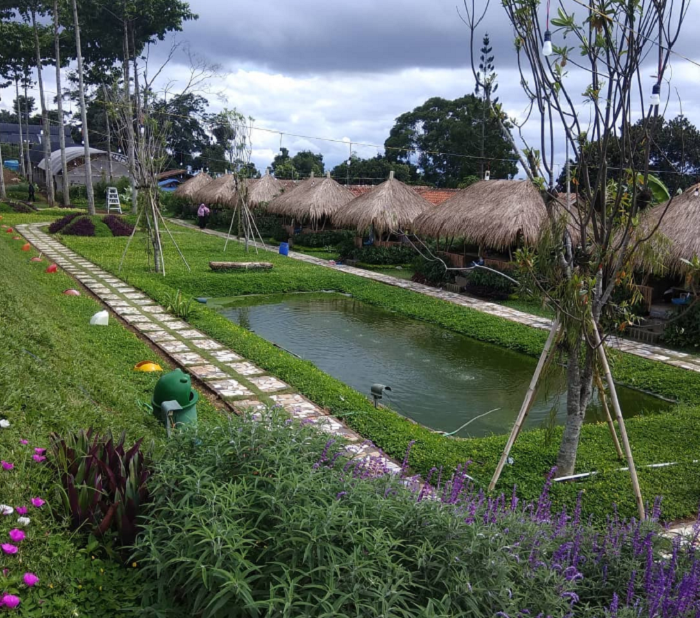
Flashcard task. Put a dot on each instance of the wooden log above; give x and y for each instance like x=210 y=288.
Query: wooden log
x=240 y=266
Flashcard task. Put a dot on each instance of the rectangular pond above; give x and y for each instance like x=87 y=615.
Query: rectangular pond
x=438 y=378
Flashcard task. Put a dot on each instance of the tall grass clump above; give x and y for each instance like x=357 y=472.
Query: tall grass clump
x=271 y=519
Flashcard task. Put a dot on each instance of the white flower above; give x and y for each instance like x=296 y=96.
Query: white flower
x=6 y=510
x=4 y=424
x=23 y=521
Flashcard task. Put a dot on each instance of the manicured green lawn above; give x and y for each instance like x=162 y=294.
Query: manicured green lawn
x=670 y=437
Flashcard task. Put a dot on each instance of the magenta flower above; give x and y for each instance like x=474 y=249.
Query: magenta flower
x=40 y=451
x=38 y=458
x=22 y=510
x=17 y=536
x=30 y=579
x=7 y=465
x=24 y=442
x=9 y=549
x=38 y=502
x=10 y=601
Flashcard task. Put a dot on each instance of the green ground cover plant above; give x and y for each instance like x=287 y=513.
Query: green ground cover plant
x=61 y=375
x=246 y=523
x=670 y=437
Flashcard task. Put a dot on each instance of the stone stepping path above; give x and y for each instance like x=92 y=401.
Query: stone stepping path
x=231 y=377
x=650 y=352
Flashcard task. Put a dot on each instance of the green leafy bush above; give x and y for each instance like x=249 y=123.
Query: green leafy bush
x=431 y=272
x=331 y=238
x=389 y=256
x=176 y=304
x=489 y=284
x=685 y=331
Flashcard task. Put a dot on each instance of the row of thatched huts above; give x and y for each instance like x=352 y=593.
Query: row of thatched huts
x=495 y=214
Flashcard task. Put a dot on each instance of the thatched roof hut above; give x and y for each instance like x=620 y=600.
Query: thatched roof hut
x=189 y=189
x=221 y=190
x=312 y=200
x=388 y=207
x=263 y=190
x=493 y=213
x=678 y=230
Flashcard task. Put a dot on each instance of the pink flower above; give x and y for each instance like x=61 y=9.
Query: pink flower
x=38 y=458
x=38 y=502
x=17 y=536
x=7 y=465
x=9 y=549
x=22 y=510
x=30 y=579
x=40 y=451
x=24 y=442
x=10 y=601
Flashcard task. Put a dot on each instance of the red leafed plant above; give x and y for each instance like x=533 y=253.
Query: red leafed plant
x=103 y=484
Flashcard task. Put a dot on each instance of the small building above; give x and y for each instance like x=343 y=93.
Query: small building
x=75 y=157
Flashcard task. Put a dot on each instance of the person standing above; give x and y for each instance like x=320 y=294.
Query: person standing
x=31 y=192
x=203 y=215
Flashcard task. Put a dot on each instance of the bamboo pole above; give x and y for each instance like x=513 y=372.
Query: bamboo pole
x=529 y=396
x=608 y=418
x=620 y=421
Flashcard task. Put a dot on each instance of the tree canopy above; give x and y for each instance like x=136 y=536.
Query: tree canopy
x=374 y=171
x=443 y=137
x=299 y=166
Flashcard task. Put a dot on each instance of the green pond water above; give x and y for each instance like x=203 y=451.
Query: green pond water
x=438 y=378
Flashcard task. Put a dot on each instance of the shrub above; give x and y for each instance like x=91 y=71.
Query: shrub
x=389 y=256
x=176 y=304
x=82 y=226
x=245 y=518
x=118 y=226
x=489 y=284
x=103 y=484
x=431 y=272
x=684 y=332
x=57 y=226
x=331 y=238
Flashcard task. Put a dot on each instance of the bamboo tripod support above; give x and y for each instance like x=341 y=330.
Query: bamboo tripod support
x=608 y=418
x=527 y=403
x=620 y=421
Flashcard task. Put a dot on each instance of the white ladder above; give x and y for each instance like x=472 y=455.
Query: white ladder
x=113 y=202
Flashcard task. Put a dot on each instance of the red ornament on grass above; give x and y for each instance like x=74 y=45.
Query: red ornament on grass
x=71 y=293
x=36 y=259
x=52 y=269
x=26 y=247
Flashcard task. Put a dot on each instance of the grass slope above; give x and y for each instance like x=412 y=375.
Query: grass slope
x=60 y=374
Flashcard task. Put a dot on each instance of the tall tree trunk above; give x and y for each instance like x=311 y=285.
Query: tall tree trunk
x=131 y=140
x=44 y=116
x=3 y=192
x=83 y=112
x=139 y=114
x=579 y=388
x=30 y=168
x=108 y=124
x=22 y=166
x=59 y=102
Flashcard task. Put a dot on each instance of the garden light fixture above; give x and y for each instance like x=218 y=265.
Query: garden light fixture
x=696 y=193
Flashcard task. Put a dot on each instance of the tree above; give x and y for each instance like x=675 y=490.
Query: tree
x=444 y=136
x=301 y=165
x=187 y=136
x=486 y=84
x=373 y=171
x=589 y=247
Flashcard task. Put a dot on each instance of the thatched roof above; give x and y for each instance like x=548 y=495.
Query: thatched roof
x=312 y=200
x=190 y=188
x=263 y=190
x=493 y=213
x=679 y=229
x=388 y=207
x=221 y=190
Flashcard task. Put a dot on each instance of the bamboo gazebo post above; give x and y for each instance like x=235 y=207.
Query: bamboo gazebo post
x=527 y=403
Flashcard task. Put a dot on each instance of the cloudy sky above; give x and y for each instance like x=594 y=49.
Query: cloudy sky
x=346 y=70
